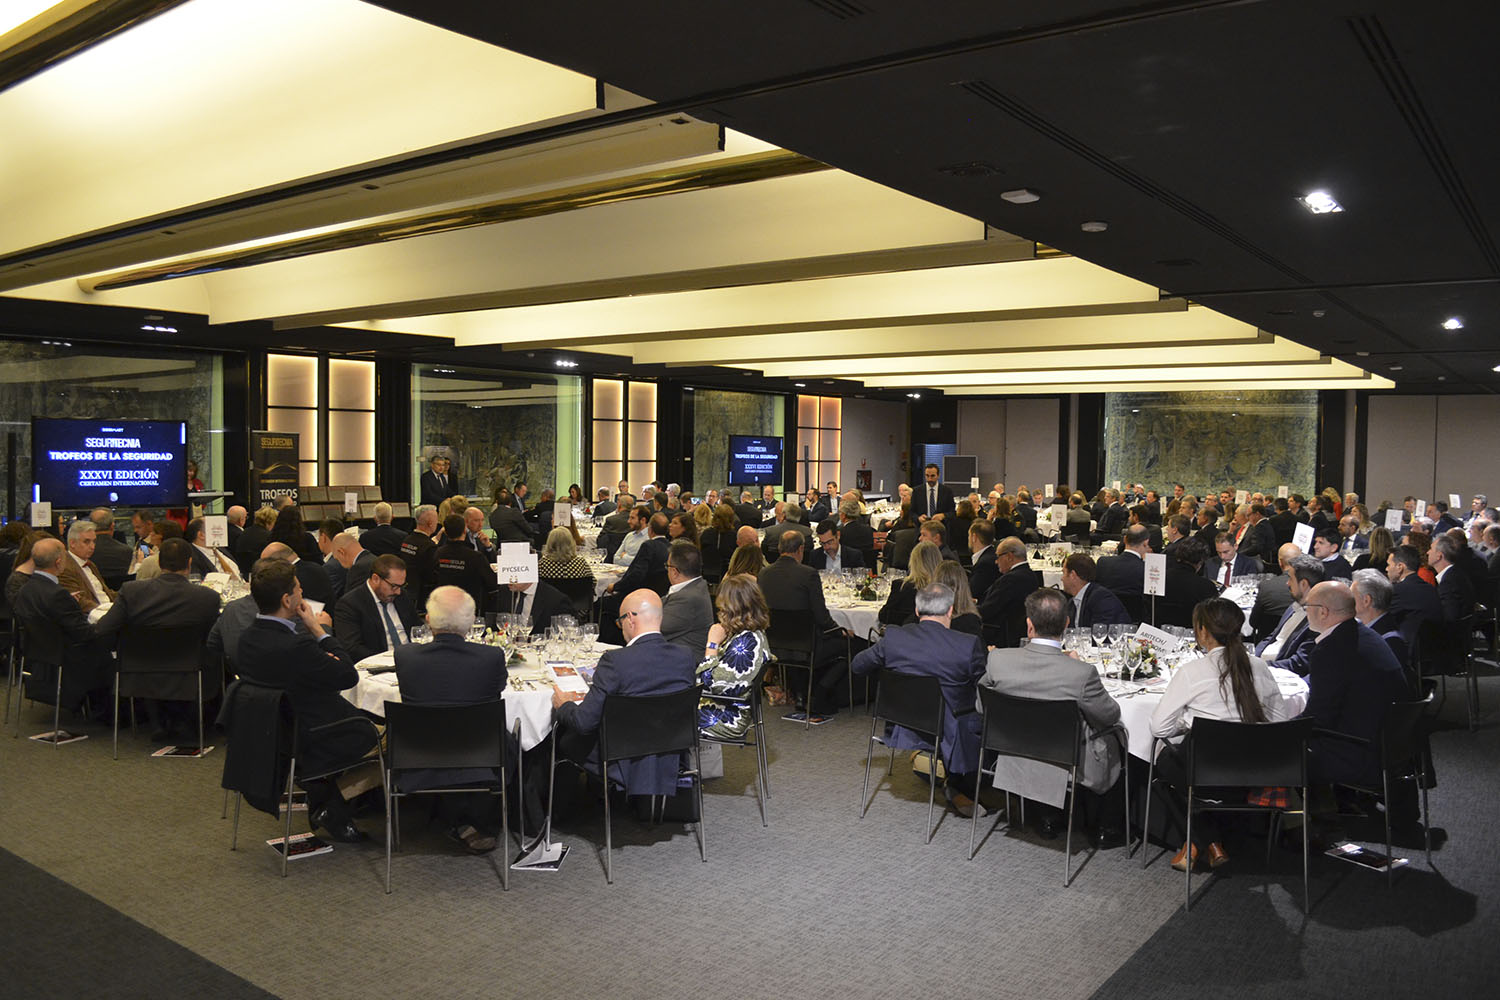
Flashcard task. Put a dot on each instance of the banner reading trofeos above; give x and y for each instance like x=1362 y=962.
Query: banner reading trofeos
x=273 y=466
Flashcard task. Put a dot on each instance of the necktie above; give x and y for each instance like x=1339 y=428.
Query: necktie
x=931 y=500
x=393 y=634
x=443 y=481
x=520 y=603
x=1228 y=570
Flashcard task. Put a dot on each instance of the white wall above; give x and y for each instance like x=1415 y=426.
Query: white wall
x=1430 y=446
x=1032 y=426
x=981 y=432
x=874 y=436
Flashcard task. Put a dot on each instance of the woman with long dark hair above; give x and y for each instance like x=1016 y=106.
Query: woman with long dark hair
x=718 y=542
x=1225 y=683
x=290 y=530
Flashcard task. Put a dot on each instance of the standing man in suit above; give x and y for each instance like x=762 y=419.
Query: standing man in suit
x=648 y=665
x=1041 y=670
x=312 y=668
x=167 y=601
x=540 y=602
x=788 y=585
x=982 y=558
x=1125 y=573
x=436 y=485
x=1090 y=602
x=1352 y=676
x=1454 y=589
x=113 y=556
x=1229 y=565
x=832 y=554
x=450 y=670
x=687 y=612
x=376 y=615
x=930 y=648
x=933 y=501
x=385 y=538
x=1004 y=606
x=58 y=633
x=77 y=574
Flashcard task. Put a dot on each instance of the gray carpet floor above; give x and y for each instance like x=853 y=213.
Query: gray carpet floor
x=821 y=901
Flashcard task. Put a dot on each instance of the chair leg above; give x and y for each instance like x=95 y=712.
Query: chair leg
x=1125 y=750
x=1426 y=828
x=609 y=871
x=1146 y=820
x=224 y=812
x=1306 y=883
x=702 y=829
x=117 y=717
x=1068 y=841
x=286 y=842
x=57 y=710
x=932 y=790
x=864 y=795
x=1187 y=903
x=505 y=836
x=200 y=713
x=234 y=836
x=807 y=722
x=890 y=768
x=388 y=832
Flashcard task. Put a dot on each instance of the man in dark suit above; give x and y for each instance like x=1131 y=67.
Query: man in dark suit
x=1025 y=511
x=832 y=553
x=235 y=516
x=1283 y=522
x=166 y=601
x=385 y=538
x=1125 y=573
x=1412 y=597
x=1442 y=519
x=1273 y=596
x=936 y=532
x=509 y=524
x=1207 y=530
x=788 y=585
x=1297 y=505
x=1372 y=604
x=982 y=559
x=328 y=532
x=648 y=665
x=604 y=506
x=649 y=567
x=1290 y=643
x=518 y=496
x=747 y=511
x=312 y=668
x=207 y=559
x=1259 y=538
x=455 y=563
x=356 y=562
x=619 y=520
x=855 y=532
x=788 y=518
x=111 y=555
x=931 y=500
x=815 y=507
x=253 y=541
x=1455 y=591
x=1325 y=546
x=540 y=515
x=1140 y=514
x=1178 y=530
x=1352 y=677
x=58 y=634
x=1239 y=563
x=1090 y=603
x=310 y=574
x=436 y=485
x=449 y=670
x=930 y=648
x=687 y=612
x=1185 y=584
x=540 y=602
x=376 y=615
x=1004 y=606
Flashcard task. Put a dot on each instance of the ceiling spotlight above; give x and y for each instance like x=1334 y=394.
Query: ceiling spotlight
x=687 y=388
x=565 y=363
x=1320 y=203
x=1362 y=354
x=1020 y=196
x=1495 y=369
x=913 y=395
x=1453 y=323
x=1395 y=368
x=800 y=385
x=1094 y=227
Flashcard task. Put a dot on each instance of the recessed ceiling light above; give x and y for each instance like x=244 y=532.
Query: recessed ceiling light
x=913 y=395
x=1395 y=368
x=1320 y=203
x=1453 y=323
x=1020 y=196
x=565 y=363
x=1094 y=227
x=800 y=385
x=1495 y=369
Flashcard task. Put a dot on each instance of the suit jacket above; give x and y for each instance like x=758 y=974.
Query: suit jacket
x=167 y=601
x=687 y=615
x=648 y=666
x=1185 y=588
x=984 y=573
x=956 y=659
x=546 y=603
x=1042 y=671
x=1124 y=573
x=337 y=575
x=360 y=625
x=1491 y=592
x=770 y=544
x=1004 y=606
x=314 y=579
x=919 y=502
x=1416 y=600
x=1388 y=627
x=1272 y=598
x=1244 y=565
x=432 y=492
x=1295 y=651
x=1113 y=519
x=1259 y=540
x=1099 y=605
x=312 y=672
x=900 y=607
x=1338 y=568
x=253 y=541
x=1352 y=678
x=58 y=634
x=898 y=546
x=1027 y=513
x=790 y=586
x=456 y=564
x=511 y=525
x=618 y=522
x=1284 y=524
x=748 y=513
x=816 y=513
x=450 y=671
x=604 y=508
x=1456 y=594
x=859 y=535
x=1206 y=535
x=849 y=558
x=70 y=576
x=383 y=540
x=648 y=568
x=112 y=557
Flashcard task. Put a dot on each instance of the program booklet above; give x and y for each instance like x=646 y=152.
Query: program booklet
x=304 y=845
x=1364 y=857
x=59 y=737
x=183 y=752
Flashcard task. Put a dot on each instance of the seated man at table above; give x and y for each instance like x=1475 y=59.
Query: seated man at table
x=1372 y=606
x=312 y=668
x=1325 y=547
x=1185 y=584
x=687 y=611
x=1272 y=597
x=167 y=601
x=1126 y=573
x=929 y=648
x=1290 y=643
x=58 y=635
x=239 y=614
x=450 y=670
x=936 y=532
x=647 y=665
x=982 y=558
x=1090 y=603
x=1412 y=597
x=77 y=574
x=1041 y=670
x=1003 y=608
x=385 y=538
x=376 y=615
x=456 y=563
x=1229 y=565
x=791 y=586
x=636 y=521
x=831 y=555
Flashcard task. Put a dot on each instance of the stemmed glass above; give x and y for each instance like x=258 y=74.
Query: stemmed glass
x=1101 y=633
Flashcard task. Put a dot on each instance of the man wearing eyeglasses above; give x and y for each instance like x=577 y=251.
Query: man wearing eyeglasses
x=378 y=616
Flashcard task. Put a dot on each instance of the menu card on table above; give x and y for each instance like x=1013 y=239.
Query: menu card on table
x=1302 y=536
x=1393 y=519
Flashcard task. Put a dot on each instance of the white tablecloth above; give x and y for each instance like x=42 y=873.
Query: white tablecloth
x=858 y=618
x=604 y=575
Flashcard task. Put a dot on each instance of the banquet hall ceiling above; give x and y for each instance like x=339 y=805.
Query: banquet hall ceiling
x=340 y=202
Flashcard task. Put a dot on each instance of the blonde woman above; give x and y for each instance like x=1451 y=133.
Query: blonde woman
x=965 y=612
x=736 y=651
x=900 y=607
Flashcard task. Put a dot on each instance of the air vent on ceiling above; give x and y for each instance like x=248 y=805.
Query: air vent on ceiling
x=972 y=168
x=841 y=9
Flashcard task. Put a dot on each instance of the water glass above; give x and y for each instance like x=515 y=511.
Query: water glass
x=1101 y=633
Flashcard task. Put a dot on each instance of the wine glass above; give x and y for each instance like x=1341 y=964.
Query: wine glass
x=1101 y=633
x=1117 y=633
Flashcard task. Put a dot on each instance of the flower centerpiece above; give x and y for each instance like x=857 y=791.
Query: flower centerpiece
x=1138 y=660
x=867 y=591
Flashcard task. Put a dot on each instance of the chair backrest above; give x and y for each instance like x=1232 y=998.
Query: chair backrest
x=1248 y=754
x=1050 y=731
x=609 y=541
x=793 y=632
x=1440 y=646
x=1135 y=606
x=262 y=739
x=911 y=700
x=435 y=737
x=641 y=725
x=1400 y=741
x=579 y=591
x=168 y=649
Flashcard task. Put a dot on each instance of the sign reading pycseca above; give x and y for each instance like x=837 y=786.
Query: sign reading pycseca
x=515 y=564
x=1155 y=583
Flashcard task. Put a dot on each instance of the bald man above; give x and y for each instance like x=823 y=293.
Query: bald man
x=1352 y=677
x=314 y=578
x=647 y=665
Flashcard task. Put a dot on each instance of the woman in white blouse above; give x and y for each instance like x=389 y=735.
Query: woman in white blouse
x=1225 y=683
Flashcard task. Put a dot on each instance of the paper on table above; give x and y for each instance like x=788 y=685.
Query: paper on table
x=565 y=677
x=1302 y=537
x=219 y=578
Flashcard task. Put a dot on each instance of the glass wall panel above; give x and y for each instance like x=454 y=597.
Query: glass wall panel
x=716 y=414
x=301 y=422
x=498 y=427
x=351 y=384
x=351 y=474
x=291 y=380
x=59 y=380
x=1246 y=439
x=351 y=435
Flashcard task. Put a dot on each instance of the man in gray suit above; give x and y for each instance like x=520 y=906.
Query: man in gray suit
x=1041 y=670
x=789 y=518
x=687 y=612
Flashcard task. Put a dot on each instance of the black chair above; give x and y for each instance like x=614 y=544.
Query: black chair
x=1445 y=650
x=755 y=699
x=916 y=703
x=643 y=726
x=1049 y=731
x=262 y=745
x=164 y=663
x=459 y=739
x=578 y=590
x=15 y=670
x=1136 y=606
x=1242 y=755
x=37 y=671
x=796 y=642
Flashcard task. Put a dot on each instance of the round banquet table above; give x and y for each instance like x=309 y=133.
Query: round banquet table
x=860 y=617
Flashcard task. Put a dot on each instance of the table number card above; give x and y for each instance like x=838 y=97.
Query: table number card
x=1241 y=497
x=1155 y=583
x=562 y=513
x=515 y=564
x=1393 y=520
x=351 y=504
x=41 y=513
x=1454 y=501
x=973 y=482
x=1421 y=510
x=1059 y=516
x=1283 y=492
x=216 y=530
x=1050 y=490
x=1302 y=537
x=1117 y=485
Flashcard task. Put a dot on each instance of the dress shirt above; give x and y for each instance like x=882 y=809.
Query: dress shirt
x=629 y=546
x=395 y=635
x=1295 y=619
x=91 y=575
x=1039 y=641
x=1078 y=601
x=834 y=560
x=522 y=600
x=674 y=588
x=217 y=558
x=1195 y=692
x=639 y=635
